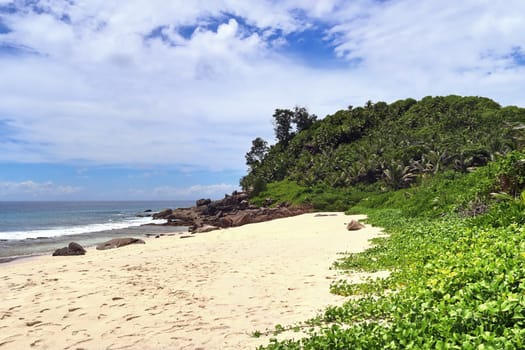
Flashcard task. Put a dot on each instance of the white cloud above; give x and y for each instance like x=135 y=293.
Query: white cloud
x=427 y=34
x=100 y=91
x=196 y=191
x=35 y=189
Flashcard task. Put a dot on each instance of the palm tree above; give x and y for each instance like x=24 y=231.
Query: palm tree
x=434 y=161
x=518 y=133
x=398 y=176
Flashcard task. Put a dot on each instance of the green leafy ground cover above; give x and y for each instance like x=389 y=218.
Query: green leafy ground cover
x=456 y=252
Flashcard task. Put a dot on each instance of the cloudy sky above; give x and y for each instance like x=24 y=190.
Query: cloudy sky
x=156 y=99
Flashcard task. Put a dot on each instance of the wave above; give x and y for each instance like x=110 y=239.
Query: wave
x=76 y=230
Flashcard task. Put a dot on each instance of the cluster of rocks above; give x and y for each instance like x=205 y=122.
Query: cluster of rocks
x=207 y=215
x=72 y=249
x=231 y=211
x=76 y=249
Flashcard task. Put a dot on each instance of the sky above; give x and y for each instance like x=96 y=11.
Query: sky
x=159 y=100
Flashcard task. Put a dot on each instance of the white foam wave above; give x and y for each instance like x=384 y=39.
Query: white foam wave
x=76 y=230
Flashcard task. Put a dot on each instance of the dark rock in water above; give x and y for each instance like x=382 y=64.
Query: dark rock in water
x=354 y=225
x=119 y=242
x=145 y=214
x=72 y=249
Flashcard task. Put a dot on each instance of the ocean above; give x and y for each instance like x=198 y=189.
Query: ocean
x=32 y=228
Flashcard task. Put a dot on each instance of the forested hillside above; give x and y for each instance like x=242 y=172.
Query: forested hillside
x=382 y=146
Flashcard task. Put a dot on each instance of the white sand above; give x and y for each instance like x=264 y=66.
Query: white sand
x=210 y=291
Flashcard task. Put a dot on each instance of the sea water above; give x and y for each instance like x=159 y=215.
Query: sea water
x=28 y=228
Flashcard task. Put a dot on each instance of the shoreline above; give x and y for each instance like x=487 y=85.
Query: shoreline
x=210 y=291
x=30 y=247
x=145 y=237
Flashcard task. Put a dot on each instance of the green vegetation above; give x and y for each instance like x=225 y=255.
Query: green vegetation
x=451 y=198
x=389 y=145
x=457 y=277
x=321 y=196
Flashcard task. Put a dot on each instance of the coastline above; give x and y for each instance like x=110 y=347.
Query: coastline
x=28 y=248
x=64 y=241
x=210 y=291
x=30 y=228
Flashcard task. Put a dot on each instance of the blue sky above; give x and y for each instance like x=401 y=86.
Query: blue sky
x=150 y=99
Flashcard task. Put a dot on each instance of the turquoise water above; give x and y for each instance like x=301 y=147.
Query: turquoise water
x=35 y=227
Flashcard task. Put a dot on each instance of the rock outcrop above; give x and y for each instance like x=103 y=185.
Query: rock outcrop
x=231 y=211
x=72 y=249
x=354 y=225
x=162 y=214
x=119 y=242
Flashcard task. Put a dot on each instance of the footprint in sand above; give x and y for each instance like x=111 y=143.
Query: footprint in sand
x=35 y=343
x=78 y=342
x=118 y=305
x=5 y=342
x=219 y=328
x=75 y=332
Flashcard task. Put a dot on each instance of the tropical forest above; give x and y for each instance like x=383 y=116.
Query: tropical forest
x=445 y=177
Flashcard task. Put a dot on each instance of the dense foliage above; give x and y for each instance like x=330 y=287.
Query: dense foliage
x=457 y=277
x=393 y=145
x=445 y=177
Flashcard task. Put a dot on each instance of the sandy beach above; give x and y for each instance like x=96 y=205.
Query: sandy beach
x=210 y=291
